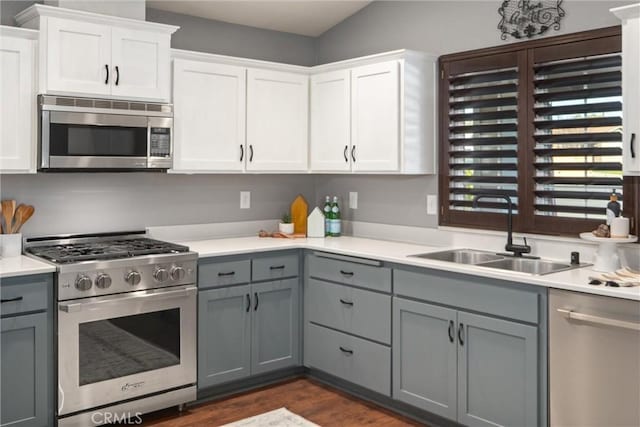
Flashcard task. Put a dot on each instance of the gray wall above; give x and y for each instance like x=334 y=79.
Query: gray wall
x=81 y=202
x=431 y=26
x=10 y=8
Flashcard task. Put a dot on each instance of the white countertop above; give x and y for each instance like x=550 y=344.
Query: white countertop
x=396 y=252
x=23 y=266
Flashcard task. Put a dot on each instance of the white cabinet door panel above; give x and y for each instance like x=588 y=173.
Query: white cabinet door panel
x=209 y=116
x=17 y=105
x=78 y=58
x=277 y=116
x=631 y=96
x=330 y=136
x=140 y=64
x=375 y=110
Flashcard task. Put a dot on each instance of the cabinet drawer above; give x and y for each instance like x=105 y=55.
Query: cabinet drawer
x=354 y=359
x=350 y=273
x=495 y=297
x=25 y=294
x=360 y=312
x=274 y=267
x=212 y=274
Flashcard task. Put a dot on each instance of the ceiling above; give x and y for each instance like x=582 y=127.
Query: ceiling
x=305 y=17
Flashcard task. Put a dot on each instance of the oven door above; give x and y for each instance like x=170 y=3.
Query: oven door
x=124 y=346
x=75 y=140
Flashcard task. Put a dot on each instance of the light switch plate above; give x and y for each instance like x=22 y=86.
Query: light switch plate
x=245 y=199
x=353 y=200
x=432 y=204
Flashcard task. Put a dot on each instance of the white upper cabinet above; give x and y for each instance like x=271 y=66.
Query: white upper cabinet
x=141 y=62
x=375 y=114
x=630 y=16
x=330 y=127
x=87 y=54
x=382 y=107
x=209 y=116
x=78 y=58
x=277 y=116
x=18 y=100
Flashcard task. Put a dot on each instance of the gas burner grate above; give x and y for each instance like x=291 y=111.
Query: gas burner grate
x=104 y=250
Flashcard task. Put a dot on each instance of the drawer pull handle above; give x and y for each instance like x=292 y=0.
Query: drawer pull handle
x=255 y=308
x=346 y=351
x=11 y=299
x=346 y=273
x=451 y=329
x=460 y=334
x=230 y=273
x=276 y=267
x=349 y=303
x=248 y=302
x=574 y=315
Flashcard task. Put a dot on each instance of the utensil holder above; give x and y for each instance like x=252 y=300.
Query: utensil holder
x=11 y=245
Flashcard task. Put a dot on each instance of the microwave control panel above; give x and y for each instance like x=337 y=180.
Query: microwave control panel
x=160 y=142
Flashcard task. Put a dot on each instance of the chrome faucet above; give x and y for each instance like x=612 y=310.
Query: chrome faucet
x=517 y=250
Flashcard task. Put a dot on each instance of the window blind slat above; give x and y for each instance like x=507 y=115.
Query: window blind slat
x=504 y=140
x=579 y=123
x=484 y=154
x=579 y=108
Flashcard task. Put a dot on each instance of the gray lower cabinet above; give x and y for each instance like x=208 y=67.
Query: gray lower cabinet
x=478 y=370
x=251 y=328
x=26 y=352
x=224 y=335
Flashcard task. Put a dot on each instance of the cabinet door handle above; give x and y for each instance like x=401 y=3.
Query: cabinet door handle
x=248 y=303
x=276 y=267
x=117 y=75
x=346 y=155
x=346 y=351
x=250 y=153
x=349 y=303
x=255 y=307
x=451 y=331
x=106 y=80
x=353 y=153
x=461 y=334
x=632 y=145
x=228 y=273
x=11 y=299
x=241 y=152
x=346 y=273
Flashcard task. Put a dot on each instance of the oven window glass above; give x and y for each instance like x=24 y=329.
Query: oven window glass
x=103 y=141
x=129 y=345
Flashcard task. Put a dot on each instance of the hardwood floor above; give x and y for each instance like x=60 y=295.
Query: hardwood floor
x=310 y=399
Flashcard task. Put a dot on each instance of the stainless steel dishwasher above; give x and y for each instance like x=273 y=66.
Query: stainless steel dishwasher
x=594 y=360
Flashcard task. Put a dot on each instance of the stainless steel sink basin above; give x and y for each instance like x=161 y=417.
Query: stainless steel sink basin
x=461 y=256
x=530 y=266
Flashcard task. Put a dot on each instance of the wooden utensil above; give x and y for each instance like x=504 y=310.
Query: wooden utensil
x=23 y=213
x=8 y=209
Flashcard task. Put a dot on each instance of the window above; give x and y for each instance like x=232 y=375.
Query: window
x=539 y=122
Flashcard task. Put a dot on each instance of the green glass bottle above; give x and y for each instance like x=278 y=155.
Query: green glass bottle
x=336 y=222
x=327 y=215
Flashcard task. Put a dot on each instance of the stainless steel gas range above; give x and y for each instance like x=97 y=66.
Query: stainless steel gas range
x=126 y=325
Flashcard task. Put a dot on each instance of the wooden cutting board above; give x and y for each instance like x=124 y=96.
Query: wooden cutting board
x=299 y=212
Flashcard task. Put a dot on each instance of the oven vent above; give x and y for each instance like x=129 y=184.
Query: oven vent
x=104 y=104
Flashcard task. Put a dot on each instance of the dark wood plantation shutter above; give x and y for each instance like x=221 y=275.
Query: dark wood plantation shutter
x=481 y=146
x=577 y=133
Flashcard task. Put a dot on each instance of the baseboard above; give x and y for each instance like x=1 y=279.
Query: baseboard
x=223 y=391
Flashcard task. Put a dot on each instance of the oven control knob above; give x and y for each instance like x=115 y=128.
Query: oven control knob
x=133 y=278
x=83 y=283
x=177 y=273
x=103 y=281
x=161 y=274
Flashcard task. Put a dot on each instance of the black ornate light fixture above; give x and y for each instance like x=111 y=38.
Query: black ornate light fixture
x=527 y=18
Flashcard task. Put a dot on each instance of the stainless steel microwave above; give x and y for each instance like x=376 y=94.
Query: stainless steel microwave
x=98 y=134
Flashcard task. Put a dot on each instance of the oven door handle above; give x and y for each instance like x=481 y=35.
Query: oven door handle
x=156 y=294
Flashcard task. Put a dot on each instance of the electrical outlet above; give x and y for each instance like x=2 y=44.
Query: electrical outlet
x=432 y=204
x=245 y=199
x=353 y=200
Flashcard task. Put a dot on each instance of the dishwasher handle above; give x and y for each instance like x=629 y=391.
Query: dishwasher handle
x=574 y=315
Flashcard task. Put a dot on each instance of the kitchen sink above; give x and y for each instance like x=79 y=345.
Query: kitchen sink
x=492 y=260
x=461 y=256
x=530 y=266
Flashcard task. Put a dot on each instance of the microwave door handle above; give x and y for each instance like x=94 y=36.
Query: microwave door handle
x=97 y=119
x=74 y=307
